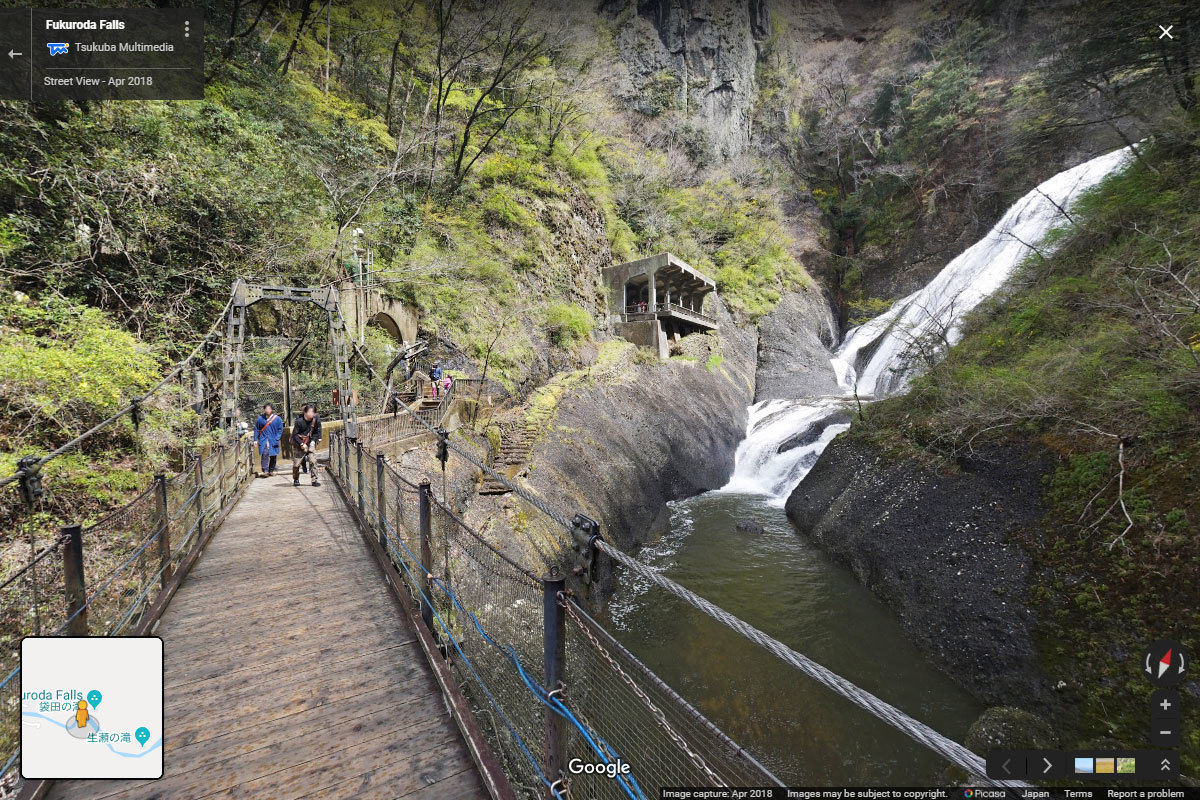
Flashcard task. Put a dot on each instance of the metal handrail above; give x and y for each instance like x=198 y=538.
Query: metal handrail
x=687 y=311
x=669 y=307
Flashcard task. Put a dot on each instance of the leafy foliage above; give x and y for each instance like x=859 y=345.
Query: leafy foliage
x=64 y=366
x=567 y=324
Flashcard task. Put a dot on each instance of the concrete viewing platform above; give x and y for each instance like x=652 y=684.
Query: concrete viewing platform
x=659 y=299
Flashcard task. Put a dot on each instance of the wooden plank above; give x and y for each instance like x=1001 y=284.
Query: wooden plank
x=199 y=633
x=276 y=660
x=311 y=602
x=428 y=772
x=261 y=677
x=428 y=736
x=238 y=743
x=212 y=712
x=460 y=786
x=282 y=683
x=338 y=745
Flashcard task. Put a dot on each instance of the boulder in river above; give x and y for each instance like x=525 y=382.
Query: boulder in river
x=749 y=526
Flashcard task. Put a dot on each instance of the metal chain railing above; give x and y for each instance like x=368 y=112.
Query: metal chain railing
x=659 y=717
x=142 y=545
x=488 y=612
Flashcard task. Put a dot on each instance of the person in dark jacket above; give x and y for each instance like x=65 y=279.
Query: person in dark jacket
x=306 y=433
x=435 y=378
x=268 y=430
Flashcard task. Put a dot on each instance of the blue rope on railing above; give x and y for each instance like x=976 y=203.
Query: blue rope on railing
x=470 y=666
x=8 y=765
x=538 y=691
x=11 y=675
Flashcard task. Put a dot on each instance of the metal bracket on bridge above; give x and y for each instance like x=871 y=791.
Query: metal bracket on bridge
x=585 y=532
x=29 y=478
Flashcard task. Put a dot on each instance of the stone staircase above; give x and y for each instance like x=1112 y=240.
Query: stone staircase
x=519 y=433
x=515 y=444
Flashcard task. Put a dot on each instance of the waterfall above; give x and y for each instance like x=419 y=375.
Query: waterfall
x=784 y=438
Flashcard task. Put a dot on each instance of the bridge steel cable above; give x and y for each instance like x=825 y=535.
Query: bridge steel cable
x=945 y=747
x=949 y=749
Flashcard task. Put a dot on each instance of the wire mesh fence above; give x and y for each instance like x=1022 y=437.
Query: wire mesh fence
x=488 y=614
x=127 y=558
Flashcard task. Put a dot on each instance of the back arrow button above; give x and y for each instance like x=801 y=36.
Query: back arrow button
x=11 y=54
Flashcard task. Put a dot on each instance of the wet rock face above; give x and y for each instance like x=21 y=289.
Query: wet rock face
x=809 y=434
x=695 y=56
x=794 y=343
x=936 y=547
x=620 y=452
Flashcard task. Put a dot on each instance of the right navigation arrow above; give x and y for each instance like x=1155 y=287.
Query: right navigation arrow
x=1049 y=765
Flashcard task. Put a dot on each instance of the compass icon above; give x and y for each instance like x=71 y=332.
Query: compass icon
x=1165 y=662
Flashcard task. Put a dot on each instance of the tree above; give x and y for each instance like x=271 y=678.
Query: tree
x=1120 y=54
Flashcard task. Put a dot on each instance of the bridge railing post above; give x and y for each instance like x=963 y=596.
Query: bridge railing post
x=164 y=536
x=73 y=581
x=398 y=519
x=346 y=458
x=358 y=450
x=426 y=551
x=380 y=497
x=554 y=649
x=221 y=476
x=199 y=499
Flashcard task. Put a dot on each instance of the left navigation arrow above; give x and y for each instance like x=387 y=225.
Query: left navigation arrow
x=11 y=54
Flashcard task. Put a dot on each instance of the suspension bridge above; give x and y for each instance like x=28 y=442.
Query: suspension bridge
x=362 y=639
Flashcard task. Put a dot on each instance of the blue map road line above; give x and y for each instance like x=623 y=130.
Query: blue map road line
x=66 y=727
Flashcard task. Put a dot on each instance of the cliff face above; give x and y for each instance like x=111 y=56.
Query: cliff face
x=656 y=432
x=939 y=549
x=697 y=57
x=793 y=349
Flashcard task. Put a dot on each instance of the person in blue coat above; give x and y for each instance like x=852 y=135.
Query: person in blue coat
x=268 y=430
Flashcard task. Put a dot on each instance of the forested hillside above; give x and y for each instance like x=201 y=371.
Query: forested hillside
x=475 y=151
x=818 y=160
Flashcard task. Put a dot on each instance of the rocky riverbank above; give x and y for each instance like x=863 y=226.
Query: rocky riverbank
x=938 y=547
x=621 y=448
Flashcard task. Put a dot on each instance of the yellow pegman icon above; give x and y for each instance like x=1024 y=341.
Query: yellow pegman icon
x=81 y=716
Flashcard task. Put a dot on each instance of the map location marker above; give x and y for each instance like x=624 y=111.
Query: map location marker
x=142 y=735
x=94 y=697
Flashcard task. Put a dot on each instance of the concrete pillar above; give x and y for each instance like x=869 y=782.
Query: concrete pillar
x=653 y=304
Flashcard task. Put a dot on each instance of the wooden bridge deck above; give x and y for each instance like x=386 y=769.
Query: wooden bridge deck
x=291 y=673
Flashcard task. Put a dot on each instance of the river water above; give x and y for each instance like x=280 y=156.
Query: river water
x=782 y=584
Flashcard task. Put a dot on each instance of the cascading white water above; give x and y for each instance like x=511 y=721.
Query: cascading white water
x=764 y=464
x=784 y=438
